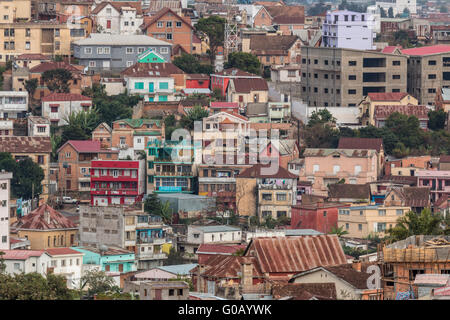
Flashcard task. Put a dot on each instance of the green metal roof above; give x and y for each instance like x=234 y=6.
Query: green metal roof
x=147 y=133
x=137 y=123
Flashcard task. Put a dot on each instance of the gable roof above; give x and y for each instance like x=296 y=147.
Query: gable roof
x=119 y=5
x=387 y=96
x=256 y=171
x=151 y=70
x=62 y=251
x=14 y=144
x=120 y=40
x=160 y=14
x=304 y=291
x=137 y=123
x=32 y=56
x=21 y=254
x=263 y=44
x=83 y=146
x=51 y=65
x=413 y=196
x=148 y=52
x=35 y=220
x=428 y=50
x=221 y=266
x=105 y=125
x=360 y=143
x=287 y=14
x=235 y=73
x=392 y=49
x=384 y=111
x=296 y=254
x=245 y=85
x=351 y=153
x=349 y=191
x=59 y=96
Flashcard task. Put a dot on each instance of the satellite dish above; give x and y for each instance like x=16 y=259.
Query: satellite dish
x=238 y=18
x=103 y=248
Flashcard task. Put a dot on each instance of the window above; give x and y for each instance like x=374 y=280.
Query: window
x=92 y=64
x=395 y=76
x=63 y=263
x=395 y=63
x=100 y=50
x=164 y=50
x=432 y=62
x=352 y=77
x=27 y=45
x=129 y=50
x=140 y=50
x=347 y=226
x=352 y=63
x=160 y=24
x=139 y=85
x=267 y=196
x=351 y=91
x=414 y=272
x=129 y=63
x=169 y=36
x=381 y=212
x=399 y=212
x=169 y=24
x=432 y=90
x=56 y=32
x=281 y=196
x=106 y=50
x=171 y=292
x=88 y=50
x=178 y=24
x=163 y=85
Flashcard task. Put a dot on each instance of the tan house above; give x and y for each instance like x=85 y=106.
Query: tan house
x=373 y=99
x=247 y=90
x=362 y=221
x=276 y=50
x=46 y=228
x=283 y=18
x=327 y=166
x=36 y=148
x=103 y=133
x=30 y=60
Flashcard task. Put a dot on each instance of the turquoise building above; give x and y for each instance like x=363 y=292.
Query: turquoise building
x=111 y=259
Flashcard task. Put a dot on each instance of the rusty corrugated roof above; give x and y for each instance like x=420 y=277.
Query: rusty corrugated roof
x=296 y=254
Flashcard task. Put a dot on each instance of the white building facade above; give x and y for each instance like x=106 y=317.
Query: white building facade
x=67 y=263
x=26 y=261
x=349 y=30
x=398 y=6
x=13 y=104
x=5 y=186
x=58 y=106
x=213 y=234
x=118 y=20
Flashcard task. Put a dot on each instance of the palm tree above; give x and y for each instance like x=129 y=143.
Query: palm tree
x=339 y=231
x=165 y=212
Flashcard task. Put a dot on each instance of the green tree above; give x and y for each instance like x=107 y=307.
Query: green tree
x=318 y=9
x=436 y=119
x=2 y=263
x=112 y=108
x=26 y=174
x=152 y=204
x=190 y=64
x=197 y=113
x=96 y=282
x=31 y=86
x=211 y=29
x=412 y=223
x=339 y=231
x=57 y=80
x=321 y=117
x=96 y=91
x=165 y=212
x=244 y=61
x=56 y=141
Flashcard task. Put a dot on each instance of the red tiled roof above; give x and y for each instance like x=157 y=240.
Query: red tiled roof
x=237 y=115
x=384 y=111
x=151 y=70
x=57 y=96
x=25 y=144
x=296 y=254
x=428 y=50
x=218 y=104
x=197 y=76
x=245 y=85
x=256 y=172
x=219 y=249
x=61 y=251
x=21 y=254
x=84 y=146
x=46 y=66
x=287 y=14
x=387 y=96
x=36 y=220
x=118 y=6
x=304 y=291
x=32 y=56
x=360 y=143
x=391 y=49
x=160 y=14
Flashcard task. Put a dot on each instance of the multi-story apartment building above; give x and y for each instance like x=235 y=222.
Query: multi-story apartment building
x=116 y=52
x=348 y=29
x=339 y=77
x=264 y=191
x=428 y=71
x=328 y=166
x=154 y=81
x=118 y=17
x=170 y=166
x=285 y=19
x=5 y=196
x=117 y=182
x=13 y=104
x=36 y=148
x=75 y=158
x=15 y=11
x=168 y=26
x=437 y=180
x=398 y=6
x=67 y=263
x=59 y=106
x=126 y=227
x=44 y=37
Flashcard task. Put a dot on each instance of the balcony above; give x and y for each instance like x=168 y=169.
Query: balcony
x=150 y=256
x=174 y=174
x=156 y=241
x=274 y=187
x=54 y=116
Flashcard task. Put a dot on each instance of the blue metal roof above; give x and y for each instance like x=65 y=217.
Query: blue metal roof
x=179 y=269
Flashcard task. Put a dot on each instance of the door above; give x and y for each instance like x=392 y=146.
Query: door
x=107 y=267
x=108 y=24
x=151 y=87
x=106 y=64
x=211 y=287
x=158 y=294
x=121 y=267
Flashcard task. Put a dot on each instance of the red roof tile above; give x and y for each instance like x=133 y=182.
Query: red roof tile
x=429 y=50
x=61 y=251
x=391 y=49
x=235 y=72
x=296 y=254
x=21 y=254
x=57 y=96
x=32 y=56
x=221 y=266
x=160 y=14
x=151 y=70
x=45 y=66
x=387 y=96
x=218 y=104
x=256 y=172
x=84 y=146
x=118 y=6
x=25 y=144
x=36 y=220
x=245 y=85
x=383 y=112
x=360 y=143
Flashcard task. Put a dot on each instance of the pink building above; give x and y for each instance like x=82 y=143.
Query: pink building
x=117 y=182
x=437 y=180
x=328 y=166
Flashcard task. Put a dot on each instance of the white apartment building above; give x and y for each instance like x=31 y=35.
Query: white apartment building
x=13 y=104
x=349 y=30
x=58 y=106
x=398 y=6
x=118 y=18
x=213 y=234
x=374 y=11
x=5 y=187
x=67 y=263
x=26 y=261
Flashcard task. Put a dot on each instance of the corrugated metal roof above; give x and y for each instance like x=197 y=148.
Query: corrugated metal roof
x=155 y=273
x=21 y=254
x=295 y=254
x=179 y=269
x=434 y=279
x=222 y=228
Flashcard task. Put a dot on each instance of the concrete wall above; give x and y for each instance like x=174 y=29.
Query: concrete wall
x=95 y=230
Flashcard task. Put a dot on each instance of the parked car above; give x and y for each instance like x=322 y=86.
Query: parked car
x=69 y=200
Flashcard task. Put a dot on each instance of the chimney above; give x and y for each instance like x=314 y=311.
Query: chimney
x=47 y=216
x=247 y=275
x=356 y=265
x=200 y=280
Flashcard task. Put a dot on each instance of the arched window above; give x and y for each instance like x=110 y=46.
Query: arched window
x=54 y=241
x=62 y=240
x=48 y=242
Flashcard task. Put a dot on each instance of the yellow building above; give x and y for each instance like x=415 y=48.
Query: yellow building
x=367 y=105
x=43 y=37
x=15 y=10
x=46 y=228
x=361 y=221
